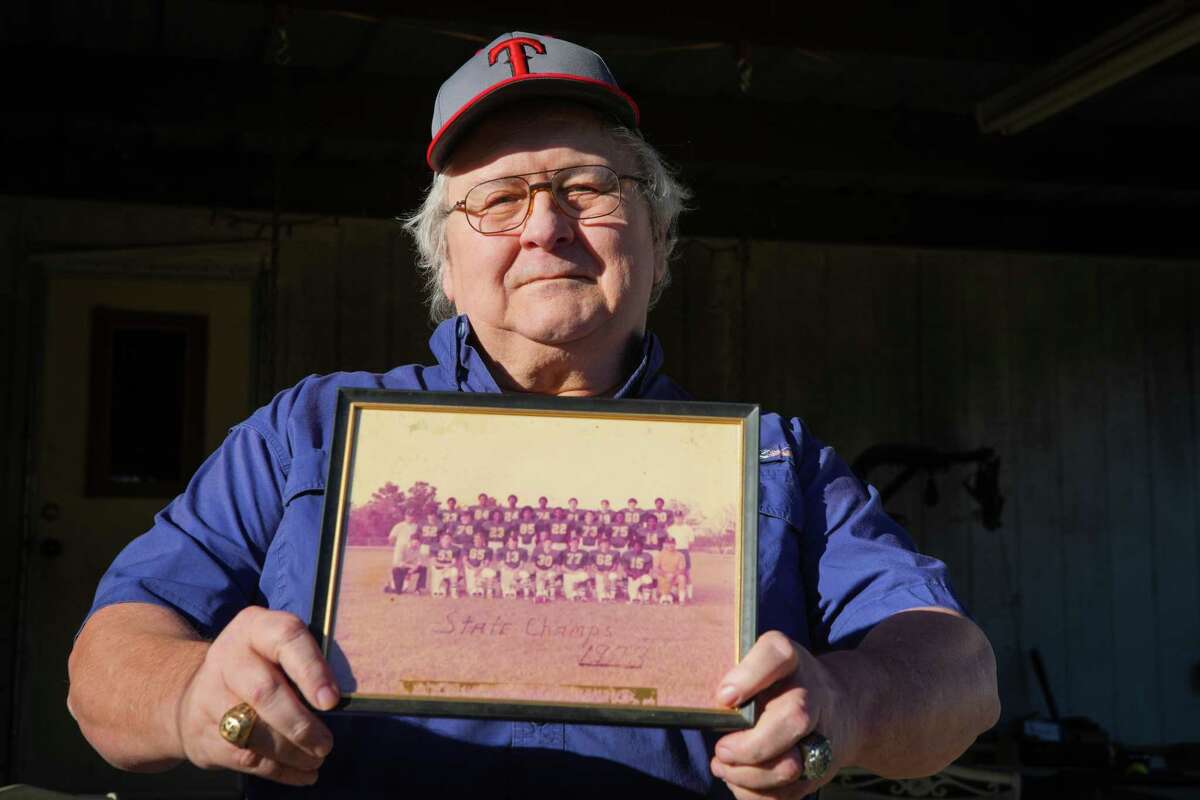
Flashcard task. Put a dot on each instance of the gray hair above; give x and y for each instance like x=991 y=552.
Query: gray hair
x=665 y=195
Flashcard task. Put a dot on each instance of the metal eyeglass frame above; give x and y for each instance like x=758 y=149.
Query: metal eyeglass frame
x=547 y=186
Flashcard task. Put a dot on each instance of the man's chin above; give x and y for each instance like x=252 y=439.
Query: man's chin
x=561 y=328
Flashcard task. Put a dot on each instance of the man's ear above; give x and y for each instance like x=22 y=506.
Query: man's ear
x=660 y=269
x=660 y=256
x=448 y=280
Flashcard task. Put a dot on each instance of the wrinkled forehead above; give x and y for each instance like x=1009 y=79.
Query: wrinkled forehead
x=536 y=135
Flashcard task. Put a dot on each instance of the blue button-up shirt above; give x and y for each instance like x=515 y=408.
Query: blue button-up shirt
x=831 y=564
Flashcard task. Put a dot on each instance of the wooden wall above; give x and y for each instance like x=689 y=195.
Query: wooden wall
x=1079 y=371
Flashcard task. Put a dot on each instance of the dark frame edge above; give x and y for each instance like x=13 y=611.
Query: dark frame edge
x=743 y=717
x=749 y=544
x=329 y=520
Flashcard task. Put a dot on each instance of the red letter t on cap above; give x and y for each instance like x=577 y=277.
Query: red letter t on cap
x=518 y=62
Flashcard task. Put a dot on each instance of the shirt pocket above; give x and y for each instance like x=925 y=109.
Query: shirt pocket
x=779 y=492
x=306 y=476
x=782 y=601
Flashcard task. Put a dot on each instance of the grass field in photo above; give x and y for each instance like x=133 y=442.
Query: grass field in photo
x=565 y=652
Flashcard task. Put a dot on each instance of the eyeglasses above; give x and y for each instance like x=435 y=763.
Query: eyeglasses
x=583 y=192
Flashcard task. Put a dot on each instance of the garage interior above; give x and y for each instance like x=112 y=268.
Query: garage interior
x=914 y=226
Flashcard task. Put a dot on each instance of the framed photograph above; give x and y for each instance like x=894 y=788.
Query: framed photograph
x=539 y=558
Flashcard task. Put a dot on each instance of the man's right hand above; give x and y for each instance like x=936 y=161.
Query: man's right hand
x=262 y=657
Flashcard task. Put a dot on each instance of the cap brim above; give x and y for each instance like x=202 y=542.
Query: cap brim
x=597 y=94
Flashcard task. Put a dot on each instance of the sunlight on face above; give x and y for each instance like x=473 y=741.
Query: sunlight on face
x=555 y=280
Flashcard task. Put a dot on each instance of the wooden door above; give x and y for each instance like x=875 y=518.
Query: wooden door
x=112 y=349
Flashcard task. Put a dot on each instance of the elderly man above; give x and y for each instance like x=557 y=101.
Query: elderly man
x=547 y=230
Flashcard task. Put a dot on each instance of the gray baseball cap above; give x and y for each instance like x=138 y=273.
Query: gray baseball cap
x=514 y=66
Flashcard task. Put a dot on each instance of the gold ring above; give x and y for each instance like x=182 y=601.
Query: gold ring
x=237 y=723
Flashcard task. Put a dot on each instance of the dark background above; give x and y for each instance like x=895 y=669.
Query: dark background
x=859 y=254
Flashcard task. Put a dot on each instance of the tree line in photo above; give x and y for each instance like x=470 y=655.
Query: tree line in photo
x=541 y=552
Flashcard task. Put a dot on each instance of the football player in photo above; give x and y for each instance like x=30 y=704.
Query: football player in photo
x=546 y=561
x=514 y=569
x=619 y=535
x=558 y=529
x=497 y=531
x=477 y=563
x=573 y=512
x=632 y=515
x=651 y=535
x=542 y=512
x=527 y=529
x=575 y=563
x=511 y=512
x=606 y=570
x=671 y=572
x=450 y=512
x=431 y=531
x=589 y=531
x=464 y=530
x=482 y=509
x=445 y=568
x=661 y=513
x=605 y=514
x=638 y=566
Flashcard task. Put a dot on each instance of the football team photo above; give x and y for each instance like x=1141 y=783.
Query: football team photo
x=571 y=560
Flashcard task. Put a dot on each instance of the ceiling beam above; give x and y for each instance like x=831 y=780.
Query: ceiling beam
x=144 y=102
x=1013 y=32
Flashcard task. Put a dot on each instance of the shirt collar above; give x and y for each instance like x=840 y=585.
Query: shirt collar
x=466 y=370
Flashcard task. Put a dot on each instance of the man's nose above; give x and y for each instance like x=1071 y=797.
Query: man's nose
x=546 y=226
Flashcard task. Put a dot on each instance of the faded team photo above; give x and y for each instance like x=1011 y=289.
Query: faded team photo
x=560 y=563
x=541 y=553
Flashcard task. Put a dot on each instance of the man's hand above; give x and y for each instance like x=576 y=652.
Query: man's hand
x=905 y=702
x=798 y=695
x=256 y=659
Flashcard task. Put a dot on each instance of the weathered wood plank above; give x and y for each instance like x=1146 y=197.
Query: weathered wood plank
x=945 y=525
x=987 y=422
x=1173 y=514
x=786 y=319
x=307 y=320
x=1137 y=696
x=409 y=326
x=668 y=319
x=1087 y=587
x=1034 y=505
x=849 y=343
x=894 y=399
x=713 y=295
x=364 y=304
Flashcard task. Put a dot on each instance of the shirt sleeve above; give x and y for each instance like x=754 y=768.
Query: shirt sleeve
x=859 y=565
x=204 y=554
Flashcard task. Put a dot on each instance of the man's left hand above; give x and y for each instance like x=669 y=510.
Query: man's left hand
x=798 y=695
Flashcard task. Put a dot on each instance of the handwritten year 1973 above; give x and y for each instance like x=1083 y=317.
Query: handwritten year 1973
x=614 y=655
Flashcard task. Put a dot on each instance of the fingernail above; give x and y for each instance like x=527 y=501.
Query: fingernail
x=327 y=697
x=724 y=753
x=727 y=695
x=718 y=770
